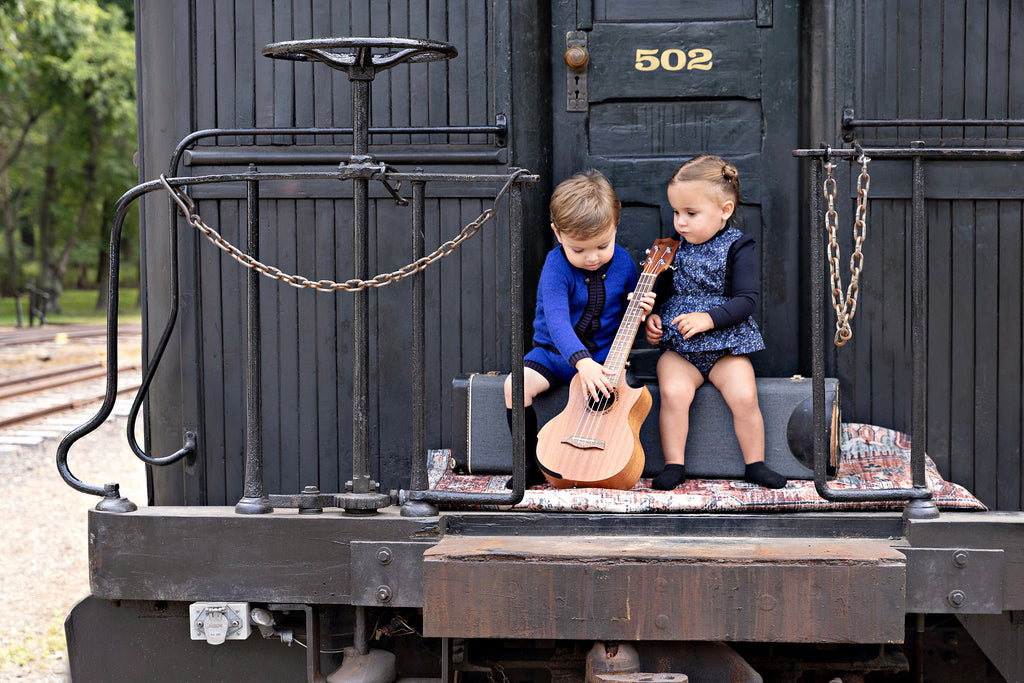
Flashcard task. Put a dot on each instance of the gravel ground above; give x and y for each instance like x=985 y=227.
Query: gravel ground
x=44 y=571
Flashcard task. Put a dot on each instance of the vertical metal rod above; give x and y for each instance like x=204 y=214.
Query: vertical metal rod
x=918 y=333
x=313 y=673
x=254 y=499
x=361 y=638
x=360 y=116
x=419 y=418
x=817 y=330
x=922 y=507
x=515 y=220
x=418 y=471
x=361 y=308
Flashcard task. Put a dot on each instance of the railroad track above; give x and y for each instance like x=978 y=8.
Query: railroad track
x=53 y=379
x=47 y=333
x=34 y=395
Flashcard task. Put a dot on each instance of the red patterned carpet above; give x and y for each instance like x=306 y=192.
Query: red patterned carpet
x=872 y=457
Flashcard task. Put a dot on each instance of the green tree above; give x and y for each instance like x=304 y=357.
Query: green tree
x=67 y=128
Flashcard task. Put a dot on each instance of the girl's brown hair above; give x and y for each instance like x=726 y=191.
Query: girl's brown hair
x=712 y=169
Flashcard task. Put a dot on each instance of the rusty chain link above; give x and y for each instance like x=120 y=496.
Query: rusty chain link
x=846 y=306
x=187 y=207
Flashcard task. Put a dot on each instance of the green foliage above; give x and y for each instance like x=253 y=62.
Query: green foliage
x=79 y=308
x=67 y=133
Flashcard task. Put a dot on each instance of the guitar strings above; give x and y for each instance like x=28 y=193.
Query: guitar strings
x=590 y=421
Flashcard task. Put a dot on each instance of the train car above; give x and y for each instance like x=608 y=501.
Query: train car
x=344 y=212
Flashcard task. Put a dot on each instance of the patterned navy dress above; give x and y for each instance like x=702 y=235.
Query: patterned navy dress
x=698 y=284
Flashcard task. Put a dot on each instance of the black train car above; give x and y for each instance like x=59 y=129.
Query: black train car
x=411 y=592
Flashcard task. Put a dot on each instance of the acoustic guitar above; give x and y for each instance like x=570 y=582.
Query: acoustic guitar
x=596 y=442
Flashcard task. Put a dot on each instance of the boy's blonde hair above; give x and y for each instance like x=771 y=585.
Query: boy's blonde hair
x=712 y=169
x=583 y=206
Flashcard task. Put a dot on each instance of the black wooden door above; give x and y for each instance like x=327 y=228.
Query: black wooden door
x=668 y=80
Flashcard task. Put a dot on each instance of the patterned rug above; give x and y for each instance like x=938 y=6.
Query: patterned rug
x=872 y=458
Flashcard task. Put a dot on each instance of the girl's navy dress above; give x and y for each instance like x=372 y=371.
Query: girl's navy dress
x=703 y=281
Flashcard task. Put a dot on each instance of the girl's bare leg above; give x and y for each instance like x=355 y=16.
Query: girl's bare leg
x=678 y=380
x=733 y=376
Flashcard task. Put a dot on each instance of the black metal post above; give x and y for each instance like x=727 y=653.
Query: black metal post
x=818 y=331
x=518 y=351
x=361 y=309
x=923 y=507
x=360 y=637
x=418 y=471
x=254 y=500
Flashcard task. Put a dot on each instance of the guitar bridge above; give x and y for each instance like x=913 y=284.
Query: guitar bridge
x=582 y=442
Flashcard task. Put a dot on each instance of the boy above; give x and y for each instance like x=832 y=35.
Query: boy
x=581 y=297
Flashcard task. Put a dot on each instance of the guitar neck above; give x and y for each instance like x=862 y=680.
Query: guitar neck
x=624 y=338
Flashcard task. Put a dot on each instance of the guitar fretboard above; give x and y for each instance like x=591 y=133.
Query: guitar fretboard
x=656 y=261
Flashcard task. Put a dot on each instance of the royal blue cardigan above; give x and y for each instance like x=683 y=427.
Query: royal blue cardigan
x=562 y=296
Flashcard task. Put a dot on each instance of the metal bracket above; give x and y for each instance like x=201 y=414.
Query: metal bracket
x=387 y=573
x=954 y=581
x=576 y=60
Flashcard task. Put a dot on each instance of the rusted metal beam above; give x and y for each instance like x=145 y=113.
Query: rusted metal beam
x=645 y=588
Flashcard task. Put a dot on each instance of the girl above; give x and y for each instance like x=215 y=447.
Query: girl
x=715 y=288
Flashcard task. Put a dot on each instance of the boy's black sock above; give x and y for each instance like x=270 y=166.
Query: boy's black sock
x=762 y=475
x=670 y=477
x=533 y=474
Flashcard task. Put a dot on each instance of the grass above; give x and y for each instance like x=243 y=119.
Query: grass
x=78 y=306
x=36 y=646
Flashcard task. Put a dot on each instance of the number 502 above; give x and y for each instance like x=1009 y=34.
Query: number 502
x=673 y=59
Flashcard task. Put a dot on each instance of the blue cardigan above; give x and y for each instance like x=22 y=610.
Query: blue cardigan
x=562 y=295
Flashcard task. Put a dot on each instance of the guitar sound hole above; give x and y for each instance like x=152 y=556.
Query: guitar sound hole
x=600 y=405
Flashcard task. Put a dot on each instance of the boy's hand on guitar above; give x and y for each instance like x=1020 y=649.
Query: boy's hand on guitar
x=652 y=330
x=646 y=304
x=690 y=324
x=594 y=381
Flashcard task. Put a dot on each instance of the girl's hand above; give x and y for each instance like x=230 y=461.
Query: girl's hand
x=690 y=324
x=647 y=303
x=593 y=378
x=652 y=330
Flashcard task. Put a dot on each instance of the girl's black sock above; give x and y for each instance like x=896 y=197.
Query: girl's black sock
x=762 y=475
x=670 y=477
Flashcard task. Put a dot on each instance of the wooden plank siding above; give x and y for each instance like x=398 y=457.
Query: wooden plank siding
x=954 y=59
x=200 y=67
x=211 y=71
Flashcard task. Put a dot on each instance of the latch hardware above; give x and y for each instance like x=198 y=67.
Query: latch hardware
x=576 y=58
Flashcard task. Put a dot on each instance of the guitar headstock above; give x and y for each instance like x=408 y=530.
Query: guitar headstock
x=660 y=255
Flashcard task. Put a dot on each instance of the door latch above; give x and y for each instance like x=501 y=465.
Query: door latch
x=576 y=60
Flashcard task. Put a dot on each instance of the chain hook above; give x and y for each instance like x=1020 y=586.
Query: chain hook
x=185 y=203
x=393 y=191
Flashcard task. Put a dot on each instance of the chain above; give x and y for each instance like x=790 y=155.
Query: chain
x=846 y=305
x=187 y=206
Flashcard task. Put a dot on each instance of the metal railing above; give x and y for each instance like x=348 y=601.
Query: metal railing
x=920 y=504
x=360 y=168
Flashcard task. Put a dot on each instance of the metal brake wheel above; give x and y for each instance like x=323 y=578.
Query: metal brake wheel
x=356 y=55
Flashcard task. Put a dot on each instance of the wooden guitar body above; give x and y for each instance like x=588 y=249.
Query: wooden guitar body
x=586 y=447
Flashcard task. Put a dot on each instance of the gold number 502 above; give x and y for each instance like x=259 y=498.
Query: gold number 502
x=673 y=59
